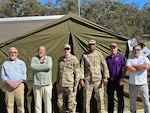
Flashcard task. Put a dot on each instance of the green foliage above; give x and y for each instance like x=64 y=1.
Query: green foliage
x=126 y=19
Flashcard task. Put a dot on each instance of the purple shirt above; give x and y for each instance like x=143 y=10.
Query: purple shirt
x=115 y=64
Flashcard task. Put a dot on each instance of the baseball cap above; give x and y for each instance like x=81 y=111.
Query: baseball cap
x=113 y=44
x=92 y=42
x=67 y=46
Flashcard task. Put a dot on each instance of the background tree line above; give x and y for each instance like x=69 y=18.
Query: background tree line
x=129 y=20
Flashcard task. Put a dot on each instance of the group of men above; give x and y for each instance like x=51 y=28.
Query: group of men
x=14 y=74
x=92 y=72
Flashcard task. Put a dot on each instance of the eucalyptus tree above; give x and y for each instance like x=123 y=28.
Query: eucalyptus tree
x=10 y=8
x=50 y=8
x=32 y=8
x=146 y=18
x=15 y=8
x=67 y=6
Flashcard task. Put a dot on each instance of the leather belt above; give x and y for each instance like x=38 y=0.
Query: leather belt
x=113 y=79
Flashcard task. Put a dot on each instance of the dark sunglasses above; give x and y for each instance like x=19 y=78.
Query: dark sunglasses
x=136 y=50
x=91 y=44
x=112 y=46
x=66 y=48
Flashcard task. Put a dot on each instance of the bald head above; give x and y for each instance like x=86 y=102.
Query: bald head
x=41 y=51
x=13 y=49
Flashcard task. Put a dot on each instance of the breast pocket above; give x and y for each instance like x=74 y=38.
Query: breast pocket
x=69 y=65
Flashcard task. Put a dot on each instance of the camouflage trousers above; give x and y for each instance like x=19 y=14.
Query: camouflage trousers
x=66 y=96
x=99 y=96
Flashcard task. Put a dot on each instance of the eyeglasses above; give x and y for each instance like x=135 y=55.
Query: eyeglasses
x=66 y=48
x=13 y=52
x=136 y=50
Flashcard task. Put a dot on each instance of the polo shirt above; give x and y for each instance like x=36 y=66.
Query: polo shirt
x=115 y=64
x=140 y=77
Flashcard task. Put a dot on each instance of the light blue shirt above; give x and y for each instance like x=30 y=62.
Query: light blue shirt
x=13 y=71
x=139 y=77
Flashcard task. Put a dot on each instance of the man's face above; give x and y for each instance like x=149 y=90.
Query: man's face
x=113 y=50
x=41 y=51
x=137 y=51
x=67 y=51
x=92 y=47
x=13 y=54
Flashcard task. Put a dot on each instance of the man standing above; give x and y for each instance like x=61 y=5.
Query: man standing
x=116 y=63
x=94 y=72
x=42 y=76
x=13 y=74
x=67 y=80
x=137 y=66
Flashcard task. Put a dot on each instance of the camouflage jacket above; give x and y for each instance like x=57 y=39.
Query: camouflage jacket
x=68 y=71
x=93 y=66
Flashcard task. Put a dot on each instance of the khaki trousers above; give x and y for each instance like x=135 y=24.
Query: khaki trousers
x=15 y=95
x=45 y=93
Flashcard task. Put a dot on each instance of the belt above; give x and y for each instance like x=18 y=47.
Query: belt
x=113 y=79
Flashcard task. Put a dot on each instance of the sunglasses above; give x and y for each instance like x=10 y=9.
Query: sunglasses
x=66 y=48
x=91 y=44
x=136 y=50
x=112 y=46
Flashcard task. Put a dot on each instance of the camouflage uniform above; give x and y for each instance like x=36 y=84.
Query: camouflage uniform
x=92 y=67
x=68 y=77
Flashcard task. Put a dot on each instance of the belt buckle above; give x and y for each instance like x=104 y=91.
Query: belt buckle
x=112 y=79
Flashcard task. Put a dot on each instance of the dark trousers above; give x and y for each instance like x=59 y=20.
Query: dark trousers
x=112 y=86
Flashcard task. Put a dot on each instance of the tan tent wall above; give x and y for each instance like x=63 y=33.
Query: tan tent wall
x=71 y=29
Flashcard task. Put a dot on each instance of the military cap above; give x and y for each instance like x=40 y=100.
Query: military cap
x=92 y=42
x=67 y=46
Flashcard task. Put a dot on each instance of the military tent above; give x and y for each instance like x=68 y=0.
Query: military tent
x=71 y=29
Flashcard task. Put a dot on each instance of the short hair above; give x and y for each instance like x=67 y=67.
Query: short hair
x=136 y=46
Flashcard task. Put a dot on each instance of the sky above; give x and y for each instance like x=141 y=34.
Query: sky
x=139 y=2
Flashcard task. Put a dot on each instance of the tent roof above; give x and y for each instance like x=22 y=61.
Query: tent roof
x=17 y=26
x=49 y=24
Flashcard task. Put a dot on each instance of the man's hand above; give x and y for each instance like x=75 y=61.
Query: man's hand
x=74 y=88
x=121 y=82
x=13 y=85
x=130 y=68
x=82 y=83
x=105 y=81
x=141 y=67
